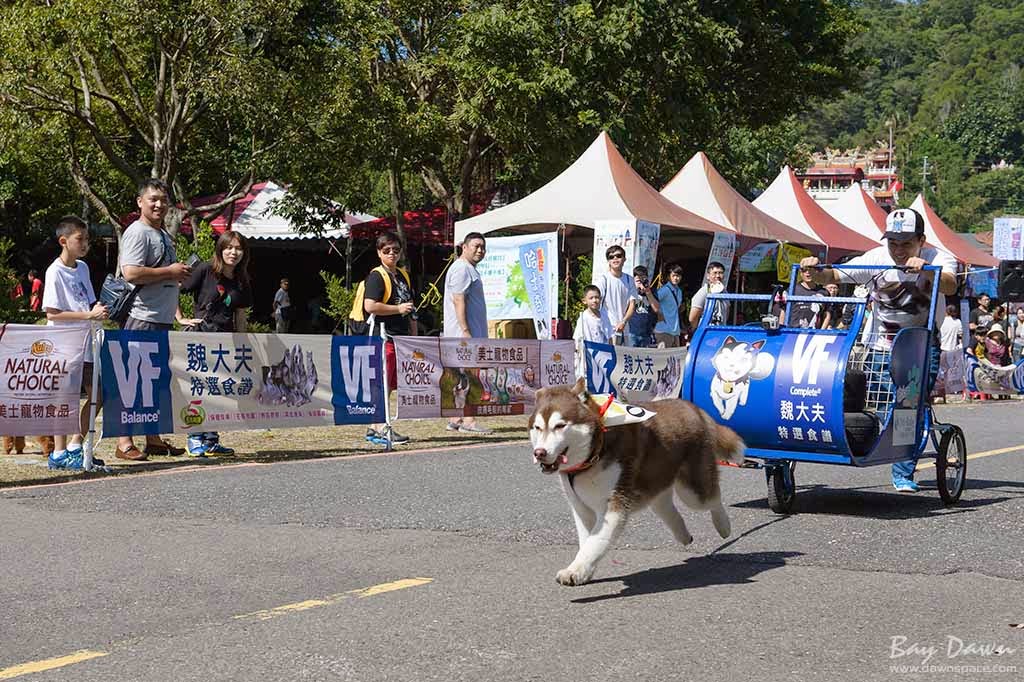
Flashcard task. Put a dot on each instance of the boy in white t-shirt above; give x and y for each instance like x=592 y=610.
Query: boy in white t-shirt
x=592 y=325
x=69 y=300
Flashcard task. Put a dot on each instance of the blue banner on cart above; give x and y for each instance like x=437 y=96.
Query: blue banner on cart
x=357 y=375
x=136 y=379
x=780 y=390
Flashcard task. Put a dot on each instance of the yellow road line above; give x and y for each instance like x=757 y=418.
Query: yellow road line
x=978 y=455
x=390 y=587
x=49 y=664
x=371 y=591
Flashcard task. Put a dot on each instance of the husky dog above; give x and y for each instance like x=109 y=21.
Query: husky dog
x=607 y=475
x=736 y=363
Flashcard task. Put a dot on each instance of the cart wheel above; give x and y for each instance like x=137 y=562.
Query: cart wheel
x=781 y=487
x=951 y=464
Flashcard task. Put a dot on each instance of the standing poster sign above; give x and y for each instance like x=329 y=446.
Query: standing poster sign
x=723 y=250
x=647 y=237
x=761 y=258
x=613 y=233
x=536 y=262
x=42 y=379
x=1008 y=238
x=505 y=280
x=634 y=374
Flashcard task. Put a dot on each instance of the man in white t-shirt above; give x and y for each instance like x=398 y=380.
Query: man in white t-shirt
x=713 y=284
x=617 y=292
x=900 y=300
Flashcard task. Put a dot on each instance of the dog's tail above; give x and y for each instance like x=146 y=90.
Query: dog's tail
x=729 y=446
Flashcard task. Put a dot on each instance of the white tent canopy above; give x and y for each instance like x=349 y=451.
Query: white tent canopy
x=701 y=189
x=258 y=220
x=598 y=186
x=939 y=235
x=858 y=211
x=786 y=200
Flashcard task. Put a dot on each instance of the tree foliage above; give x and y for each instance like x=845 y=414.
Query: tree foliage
x=946 y=77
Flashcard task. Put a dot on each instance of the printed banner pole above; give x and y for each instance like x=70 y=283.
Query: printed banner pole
x=387 y=396
x=90 y=438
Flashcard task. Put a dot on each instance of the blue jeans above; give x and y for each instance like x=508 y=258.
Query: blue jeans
x=880 y=382
x=639 y=340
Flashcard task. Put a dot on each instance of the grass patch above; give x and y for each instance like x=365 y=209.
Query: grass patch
x=264 y=446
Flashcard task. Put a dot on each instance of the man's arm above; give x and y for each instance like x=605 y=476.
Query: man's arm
x=459 y=303
x=630 y=309
x=140 y=274
x=653 y=300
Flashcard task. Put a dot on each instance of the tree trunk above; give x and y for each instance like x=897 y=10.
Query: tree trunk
x=398 y=202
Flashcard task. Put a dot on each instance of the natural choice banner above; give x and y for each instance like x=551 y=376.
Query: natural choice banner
x=42 y=379
x=477 y=377
x=159 y=382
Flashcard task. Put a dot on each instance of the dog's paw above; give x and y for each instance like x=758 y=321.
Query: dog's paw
x=685 y=538
x=572 y=576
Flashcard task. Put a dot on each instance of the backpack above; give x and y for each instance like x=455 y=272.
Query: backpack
x=357 y=316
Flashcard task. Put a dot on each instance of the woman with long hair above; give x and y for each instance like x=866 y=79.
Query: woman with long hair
x=223 y=295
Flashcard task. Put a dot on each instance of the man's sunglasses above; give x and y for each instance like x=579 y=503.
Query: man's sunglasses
x=391 y=249
x=617 y=256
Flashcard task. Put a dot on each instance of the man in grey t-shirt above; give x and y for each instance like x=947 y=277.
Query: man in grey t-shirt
x=465 y=310
x=148 y=260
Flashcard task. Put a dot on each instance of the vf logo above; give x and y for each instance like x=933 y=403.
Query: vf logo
x=133 y=366
x=357 y=371
x=600 y=370
x=809 y=353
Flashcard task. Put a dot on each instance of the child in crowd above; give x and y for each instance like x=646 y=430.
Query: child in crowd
x=592 y=325
x=69 y=300
x=995 y=349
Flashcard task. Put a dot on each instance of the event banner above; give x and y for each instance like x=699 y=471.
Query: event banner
x=634 y=374
x=760 y=258
x=163 y=382
x=723 y=250
x=535 y=260
x=788 y=255
x=646 y=251
x=1008 y=238
x=440 y=377
x=507 y=280
x=42 y=379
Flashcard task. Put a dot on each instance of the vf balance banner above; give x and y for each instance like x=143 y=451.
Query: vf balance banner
x=163 y=382
x=42 y=379
x=440 y=377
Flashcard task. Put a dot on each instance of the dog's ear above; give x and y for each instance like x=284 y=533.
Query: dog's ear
x=728 y=340
x=757 y=344
x=580 y=387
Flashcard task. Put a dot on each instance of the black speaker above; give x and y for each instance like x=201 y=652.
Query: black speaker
x=1011 y=281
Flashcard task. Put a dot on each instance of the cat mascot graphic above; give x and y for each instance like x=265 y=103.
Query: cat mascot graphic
x=736 y=363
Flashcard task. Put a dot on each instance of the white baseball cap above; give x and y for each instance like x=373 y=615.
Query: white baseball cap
x=903 y=224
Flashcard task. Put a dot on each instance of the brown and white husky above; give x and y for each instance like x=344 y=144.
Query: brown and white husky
x=608 y=475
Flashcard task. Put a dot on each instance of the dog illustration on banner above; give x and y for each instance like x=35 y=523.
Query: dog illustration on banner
x=736 y=363
x=289 y=382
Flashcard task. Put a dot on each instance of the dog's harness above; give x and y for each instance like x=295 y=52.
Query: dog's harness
x=595 y=451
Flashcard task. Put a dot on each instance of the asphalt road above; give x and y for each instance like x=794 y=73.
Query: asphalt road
x=441 y=565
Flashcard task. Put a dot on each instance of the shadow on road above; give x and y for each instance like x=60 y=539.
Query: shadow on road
x=873 y=503
x=695 y=572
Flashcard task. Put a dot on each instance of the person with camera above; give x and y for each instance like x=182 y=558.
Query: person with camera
x=149 y=263
x=640 y=329
x=396 y=313
x=223 y=294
